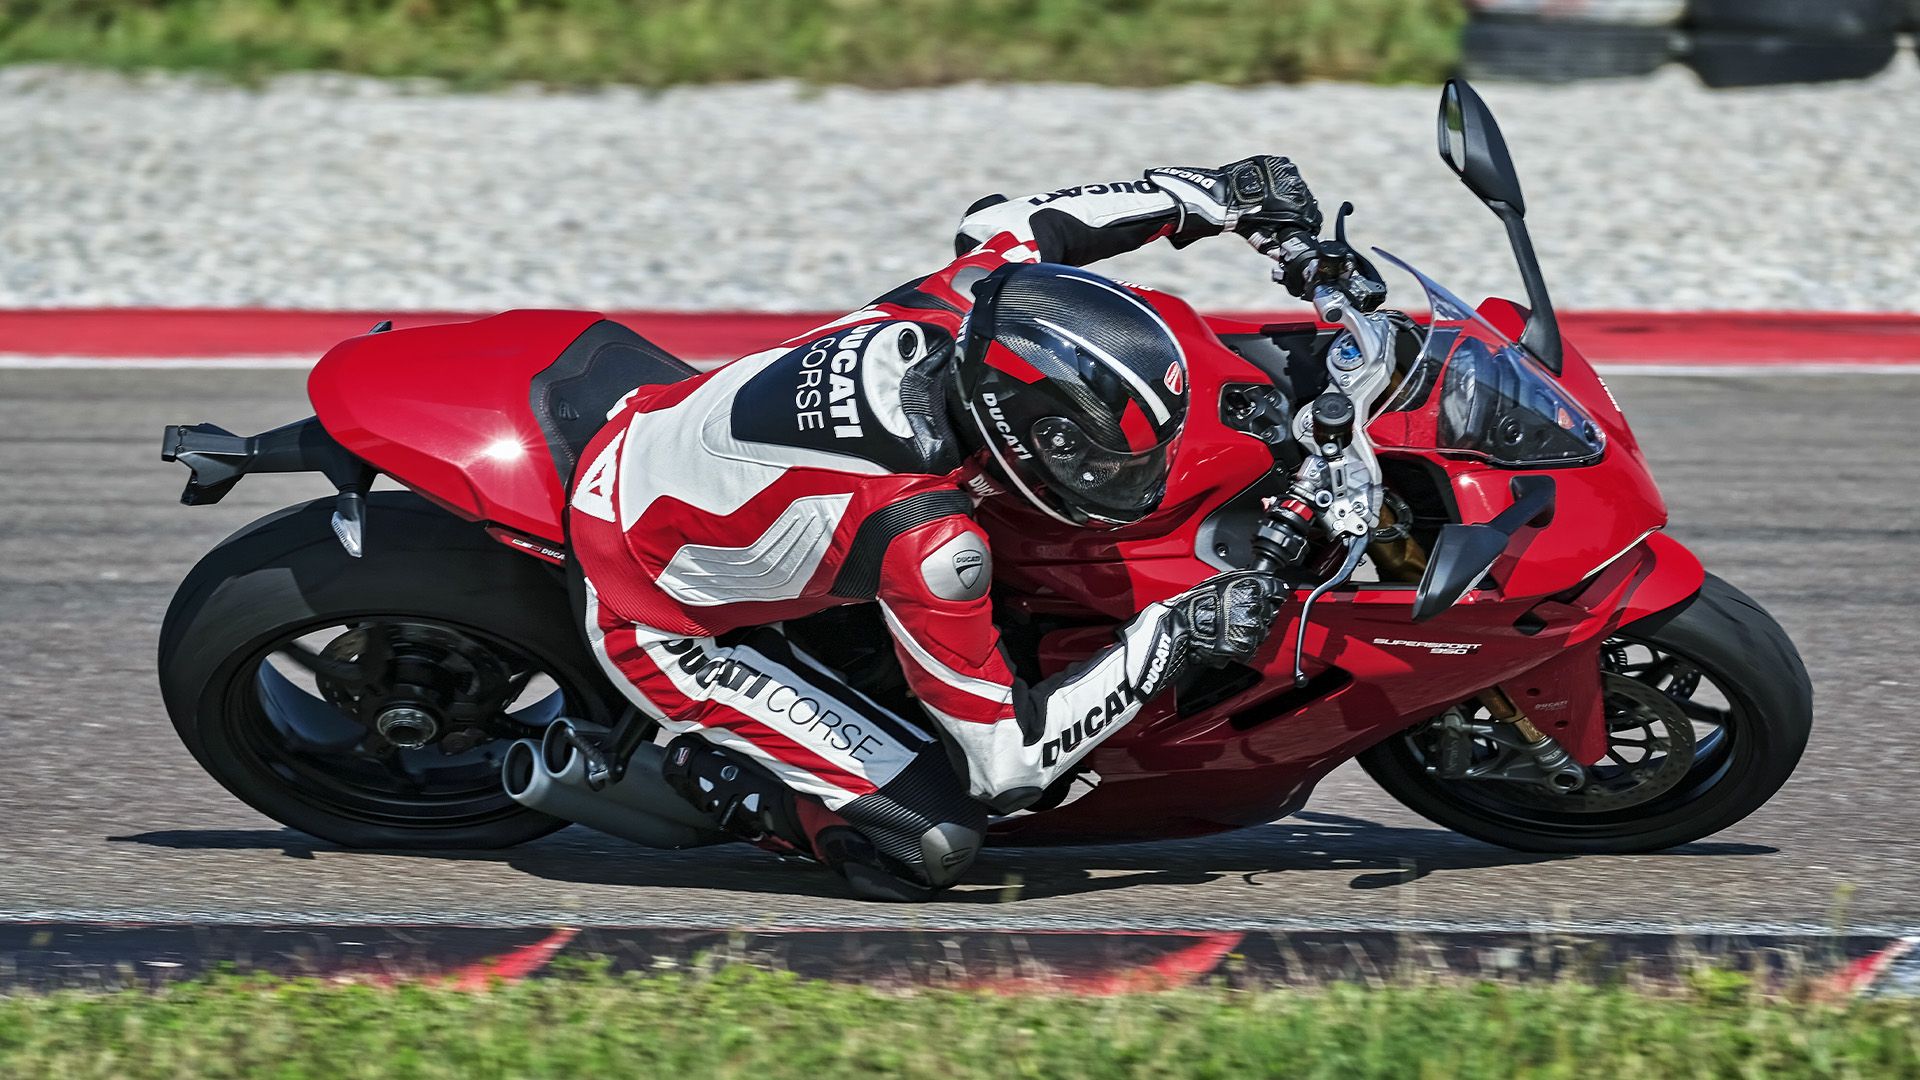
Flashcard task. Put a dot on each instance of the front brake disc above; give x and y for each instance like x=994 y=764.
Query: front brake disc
x=1650 y=745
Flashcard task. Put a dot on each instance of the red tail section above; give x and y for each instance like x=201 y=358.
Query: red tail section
x=446 y=410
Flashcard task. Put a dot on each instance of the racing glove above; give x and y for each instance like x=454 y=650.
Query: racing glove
x=1226 y=618
x=1263 y=193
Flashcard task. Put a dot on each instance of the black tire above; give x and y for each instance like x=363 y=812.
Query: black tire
x=1725 y=60
x=1736 y=645
x=1551 y=52
x=286 y=571
x=1826 y=18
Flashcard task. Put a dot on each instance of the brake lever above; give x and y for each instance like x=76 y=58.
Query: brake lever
x=1338 y=265
x=1356 y=278
x=1356 y=546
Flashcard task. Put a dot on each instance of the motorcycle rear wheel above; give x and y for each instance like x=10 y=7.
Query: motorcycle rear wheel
x=1750 y=739
x=257 y=626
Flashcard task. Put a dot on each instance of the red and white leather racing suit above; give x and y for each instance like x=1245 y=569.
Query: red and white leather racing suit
x=822 y=472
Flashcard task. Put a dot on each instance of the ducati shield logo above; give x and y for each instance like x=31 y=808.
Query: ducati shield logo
x=593 y=496
x=966 y=567
x=1173 y=380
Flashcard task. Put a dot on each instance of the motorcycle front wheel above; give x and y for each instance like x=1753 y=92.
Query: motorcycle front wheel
x=1708 y=711
x=370 y=701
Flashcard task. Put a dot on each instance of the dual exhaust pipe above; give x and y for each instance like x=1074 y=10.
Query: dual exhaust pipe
x=550 y=775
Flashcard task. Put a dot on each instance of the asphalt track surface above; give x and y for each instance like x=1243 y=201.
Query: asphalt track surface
x=1801 y=490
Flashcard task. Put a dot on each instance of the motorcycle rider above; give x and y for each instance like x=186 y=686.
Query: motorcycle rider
x=844 y=467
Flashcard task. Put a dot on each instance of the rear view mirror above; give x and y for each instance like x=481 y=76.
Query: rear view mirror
x=1473 y=147
x=1460 y=558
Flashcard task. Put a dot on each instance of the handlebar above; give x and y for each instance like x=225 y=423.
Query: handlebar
x=1336 y=489
x=1304 y=262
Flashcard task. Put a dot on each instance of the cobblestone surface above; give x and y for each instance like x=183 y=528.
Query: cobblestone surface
x=323 y=191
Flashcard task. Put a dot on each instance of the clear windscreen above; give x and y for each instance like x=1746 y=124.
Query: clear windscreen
x=1494 y=399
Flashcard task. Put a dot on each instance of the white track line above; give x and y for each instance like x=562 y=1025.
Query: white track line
x=1744 y=371
x=1677 y=369
x=23 y=362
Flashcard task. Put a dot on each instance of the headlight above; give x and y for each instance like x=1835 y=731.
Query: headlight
x=1499 y=404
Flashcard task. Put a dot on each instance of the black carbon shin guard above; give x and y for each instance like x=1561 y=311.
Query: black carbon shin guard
x=922 y=827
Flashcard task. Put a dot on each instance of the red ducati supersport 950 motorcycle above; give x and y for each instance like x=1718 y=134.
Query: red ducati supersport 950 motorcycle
x=1487 y=613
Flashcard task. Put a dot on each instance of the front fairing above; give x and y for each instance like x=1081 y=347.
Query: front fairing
x=1470 y=391
x=1565 y=426
x=1601 y=509
x=1227 y=754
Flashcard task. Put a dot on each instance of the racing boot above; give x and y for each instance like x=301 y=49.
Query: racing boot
x=886 y=848
x=913 y=837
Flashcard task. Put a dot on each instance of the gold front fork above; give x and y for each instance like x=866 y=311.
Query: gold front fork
x=1402 y=559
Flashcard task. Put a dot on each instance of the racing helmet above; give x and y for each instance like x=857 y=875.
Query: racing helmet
x=1073 y=390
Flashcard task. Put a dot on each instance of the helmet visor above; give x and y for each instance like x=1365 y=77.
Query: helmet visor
x=1108 y=485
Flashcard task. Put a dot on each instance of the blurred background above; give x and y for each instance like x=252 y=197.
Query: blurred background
x=808 y=154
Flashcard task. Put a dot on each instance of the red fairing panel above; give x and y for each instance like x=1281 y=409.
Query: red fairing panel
x=1601 y=510
x=1563 y=694
x=1256 y=755
x=445 y=410
x=1677 y=575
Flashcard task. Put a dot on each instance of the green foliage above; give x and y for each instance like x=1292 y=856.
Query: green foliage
x=881 y=43
x=741 y=1023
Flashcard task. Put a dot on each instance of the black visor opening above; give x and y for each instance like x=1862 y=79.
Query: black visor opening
x=1112 y=485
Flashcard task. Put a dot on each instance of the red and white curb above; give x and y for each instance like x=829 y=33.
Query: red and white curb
x=48 y=955
x=1617 y=342
x=1893 y=970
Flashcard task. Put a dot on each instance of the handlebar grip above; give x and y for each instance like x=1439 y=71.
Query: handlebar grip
x=1280 y=540
x=1271 y=244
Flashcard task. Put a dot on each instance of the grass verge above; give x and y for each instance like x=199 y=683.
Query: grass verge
x=881 y=43
x=742 y=1023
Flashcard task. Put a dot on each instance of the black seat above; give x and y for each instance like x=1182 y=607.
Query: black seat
x=572 y=396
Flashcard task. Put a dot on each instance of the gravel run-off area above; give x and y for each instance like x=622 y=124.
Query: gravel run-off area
x=333 y=192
